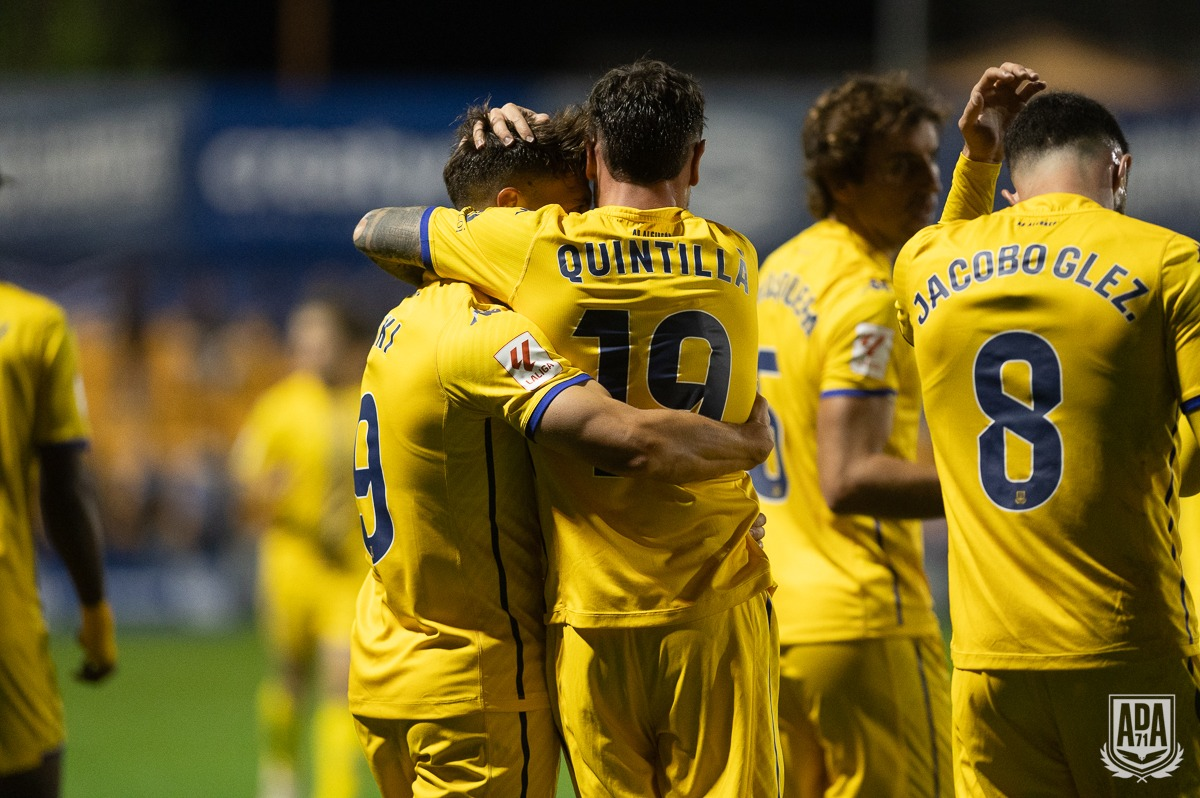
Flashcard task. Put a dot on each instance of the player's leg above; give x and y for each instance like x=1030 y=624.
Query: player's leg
x=799 y=737
x=715 y=704
x=921 y=682
x=31 y=712
x=384 y=741
x=41 y=781
x=335 y=771
x=480 y=754
x=603 y=712
x=1131 y=729
x=1006 y=741
x=286 y=566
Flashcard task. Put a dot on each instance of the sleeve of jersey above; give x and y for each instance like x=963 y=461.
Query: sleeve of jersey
x=1181 y=298
x=62 y=408
x=488 y=249
x=859 y=332
x=503 y=365
x=252 y=455
x=972 y=190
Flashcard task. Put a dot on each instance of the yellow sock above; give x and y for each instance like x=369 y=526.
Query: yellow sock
x=278 y=727
x=336 y=751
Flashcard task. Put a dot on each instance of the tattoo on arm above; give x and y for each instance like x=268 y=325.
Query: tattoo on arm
x=391 y=236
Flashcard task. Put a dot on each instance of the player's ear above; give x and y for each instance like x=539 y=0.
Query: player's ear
x=509 y=197
x=592 y=160
x=697 y=151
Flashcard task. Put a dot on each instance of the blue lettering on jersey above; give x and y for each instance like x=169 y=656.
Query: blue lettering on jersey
x=625 y=257
x=788 y=290
x=1069 y=264
x=389 y=324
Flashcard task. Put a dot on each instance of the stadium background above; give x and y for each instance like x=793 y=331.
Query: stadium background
x=177 y=175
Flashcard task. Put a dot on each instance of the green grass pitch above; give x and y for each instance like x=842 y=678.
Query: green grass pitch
x=175 y=721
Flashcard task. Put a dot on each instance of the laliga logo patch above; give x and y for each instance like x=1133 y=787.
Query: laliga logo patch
x=871 y=351
x=527 y=362
x=1141 y=737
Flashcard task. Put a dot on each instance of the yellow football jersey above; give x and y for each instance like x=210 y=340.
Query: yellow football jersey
x=450 y=619
x=658 y=305
x=41 y=397
x=41 y=403
x=1056 y=342
x=296 y=436
x=827 y=326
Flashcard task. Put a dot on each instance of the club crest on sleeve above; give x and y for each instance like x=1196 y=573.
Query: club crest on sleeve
x=527 y=362
x=1141 y=737
x=872 y=350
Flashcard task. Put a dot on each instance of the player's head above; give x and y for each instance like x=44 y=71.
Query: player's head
x=548 y=170
x=1062 y=123
x=870 y=149
x=326 y=336
x=647 y=121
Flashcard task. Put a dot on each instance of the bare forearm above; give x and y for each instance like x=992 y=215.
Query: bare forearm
x=71 y=517
x=665 y=445
x=888 y=487
x=391 y=238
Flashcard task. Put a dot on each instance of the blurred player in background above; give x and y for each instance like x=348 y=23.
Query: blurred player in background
x=43 y=435
x=665 y=650
x=1074 y=641
x=447 y=682
x=864 y=699
x=864 y=696
x=293 y=462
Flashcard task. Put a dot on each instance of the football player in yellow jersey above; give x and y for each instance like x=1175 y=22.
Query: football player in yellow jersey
x=43 y=435
x=864 y=688
x=293 y=461
x=864 y=694
x=1057 y=342
x=447 y=683
x=662 y=638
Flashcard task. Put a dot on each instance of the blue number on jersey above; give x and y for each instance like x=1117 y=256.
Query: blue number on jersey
x=369 y=484
x=770 y=479
x=1027 y=421
x=611 y=327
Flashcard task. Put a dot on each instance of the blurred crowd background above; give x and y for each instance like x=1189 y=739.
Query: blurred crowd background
x=179 y=175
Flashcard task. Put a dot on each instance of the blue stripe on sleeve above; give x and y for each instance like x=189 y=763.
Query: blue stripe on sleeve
x=1191 y=404
x=858 y=392
x=544 y=404
x=426 y=258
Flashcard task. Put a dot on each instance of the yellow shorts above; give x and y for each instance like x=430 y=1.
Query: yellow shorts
x=482 y=754
x=1055 y=733
x=31 y=712
x=685 y=709
x=304 y=599
x=866 y=718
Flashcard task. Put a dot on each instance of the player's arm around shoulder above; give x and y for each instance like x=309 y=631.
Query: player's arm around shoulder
x=666 y=445
x=391 y=238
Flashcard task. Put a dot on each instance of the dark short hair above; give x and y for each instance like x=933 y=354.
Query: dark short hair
x=647 y=117
x=473 y=177
x=1060 y=119
x=844 y=122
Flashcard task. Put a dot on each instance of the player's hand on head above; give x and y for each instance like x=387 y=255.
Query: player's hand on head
x=98 y=638
x=507 y=120
x=994 y=100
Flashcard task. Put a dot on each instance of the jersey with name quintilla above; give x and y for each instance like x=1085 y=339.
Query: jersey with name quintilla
x=41 y=404
x=1056 y=342
x=827 y=326
x=450 y=618
x=658 y=305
